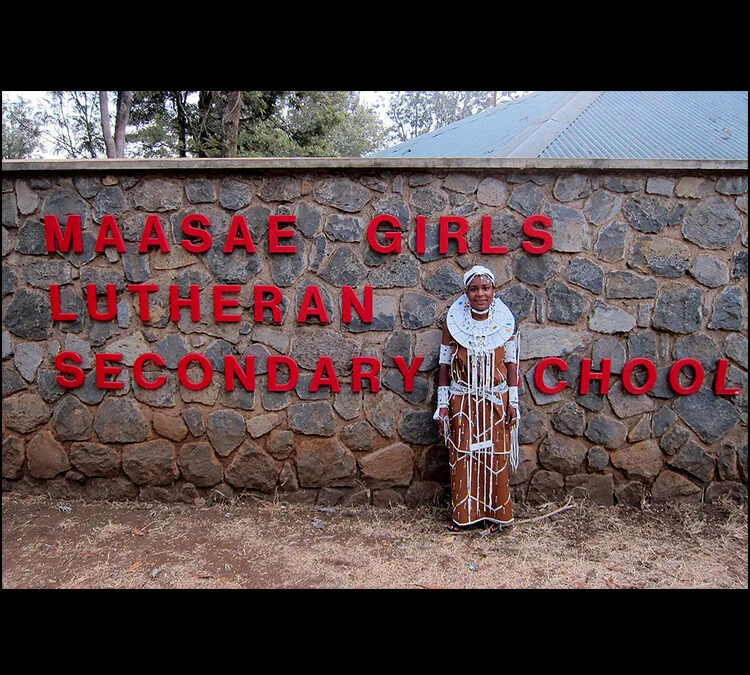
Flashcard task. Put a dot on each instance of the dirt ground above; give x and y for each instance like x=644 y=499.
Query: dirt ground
x=49 y=543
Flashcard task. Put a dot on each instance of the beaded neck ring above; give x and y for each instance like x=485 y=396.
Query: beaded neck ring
x=481 y=334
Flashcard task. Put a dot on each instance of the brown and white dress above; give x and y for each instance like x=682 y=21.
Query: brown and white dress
x=482 y=449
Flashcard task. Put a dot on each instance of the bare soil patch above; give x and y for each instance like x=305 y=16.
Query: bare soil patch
x=49 y=543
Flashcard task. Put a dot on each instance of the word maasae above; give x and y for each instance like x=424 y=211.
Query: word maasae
x=193 y=225
x=603 y=376
x=363 y=368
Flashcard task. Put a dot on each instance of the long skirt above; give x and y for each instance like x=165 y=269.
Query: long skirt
x=479 y=445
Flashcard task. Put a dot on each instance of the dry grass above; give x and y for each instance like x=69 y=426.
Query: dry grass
x=272 y=545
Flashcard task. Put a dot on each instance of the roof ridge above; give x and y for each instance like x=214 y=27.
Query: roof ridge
x=533 y=143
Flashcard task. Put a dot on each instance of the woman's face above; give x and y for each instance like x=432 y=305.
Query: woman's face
x=480 y=293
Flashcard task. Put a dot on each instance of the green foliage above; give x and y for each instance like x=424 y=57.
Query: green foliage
x=21 y=124
x=163 y=121
x=272 y=124
x=360 y=131
x=311 y=124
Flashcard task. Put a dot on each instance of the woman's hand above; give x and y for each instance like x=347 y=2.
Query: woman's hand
x=443 y=421
x=511 y=416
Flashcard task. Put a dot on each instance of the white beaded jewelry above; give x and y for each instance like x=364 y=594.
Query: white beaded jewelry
x=445 y=354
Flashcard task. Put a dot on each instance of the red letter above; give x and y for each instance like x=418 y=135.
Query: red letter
x=349 y=298
x=273 y=364
x=546 y=237
x=421 y=234
x=232 y=368
x=105 y=239
x=487 y=246
x=539 y=375
x=157 y=239
x=198 y=232
x=274 y=233
x=325 y=363
x=721 y=378
x=220 y=302
x=239 y=225
x=143 y=290
x=79 y=376
x=312 y=292
x=54 y=235
x=182 y=368
x=138 y=371
x=407 y=372
x=459 y=235
x=57 y=313
x=102 y=370
x=674 y=376
x=371 y=375
x=272 y=304
x=111 y=312
x=194 y=302
x=603 y=376
x=394 y=237
x=627 y=371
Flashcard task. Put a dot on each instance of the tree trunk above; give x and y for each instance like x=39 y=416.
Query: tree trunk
x=124 y=101
x=181 y=124
x=205 y=100
x=115 y=144
x=230 y=123
x=109 y=142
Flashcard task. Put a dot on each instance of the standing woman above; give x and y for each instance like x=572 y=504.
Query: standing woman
x=478 y=403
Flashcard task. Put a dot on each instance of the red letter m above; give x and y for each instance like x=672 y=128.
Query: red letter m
x=54 y=235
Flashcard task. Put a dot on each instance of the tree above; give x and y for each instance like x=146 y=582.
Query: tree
x=161 y=123
x=211 y=124
x=115 y=144
x=358 y=129
x=288 y=124
x=73 y=120
x=230 y=122
x=21 y=125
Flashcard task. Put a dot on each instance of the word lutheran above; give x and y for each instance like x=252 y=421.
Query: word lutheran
x=312 y=305
x=199 y=240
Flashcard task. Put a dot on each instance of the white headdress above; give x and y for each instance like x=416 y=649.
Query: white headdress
x=478 y=271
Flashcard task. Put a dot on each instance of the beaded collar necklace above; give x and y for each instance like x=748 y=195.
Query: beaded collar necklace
x=484 y=335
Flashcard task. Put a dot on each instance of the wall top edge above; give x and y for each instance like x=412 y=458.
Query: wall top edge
x=414 y=163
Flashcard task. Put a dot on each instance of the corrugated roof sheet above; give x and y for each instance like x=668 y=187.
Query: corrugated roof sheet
x=608 y=125
x=658 y=125
x=481 y=135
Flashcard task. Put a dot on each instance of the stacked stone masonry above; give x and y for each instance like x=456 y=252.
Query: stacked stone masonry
x=643 y=264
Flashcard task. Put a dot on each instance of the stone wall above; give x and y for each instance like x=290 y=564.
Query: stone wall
x=648 y=263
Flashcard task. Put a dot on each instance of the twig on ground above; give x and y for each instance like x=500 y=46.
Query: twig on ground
x=567 y=506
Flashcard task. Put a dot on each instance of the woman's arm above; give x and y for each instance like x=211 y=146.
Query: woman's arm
x=512 y=374
x=444 y=373
x=512 y=369
x=444 y=376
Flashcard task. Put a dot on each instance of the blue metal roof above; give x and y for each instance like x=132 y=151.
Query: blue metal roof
x=605 y=124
